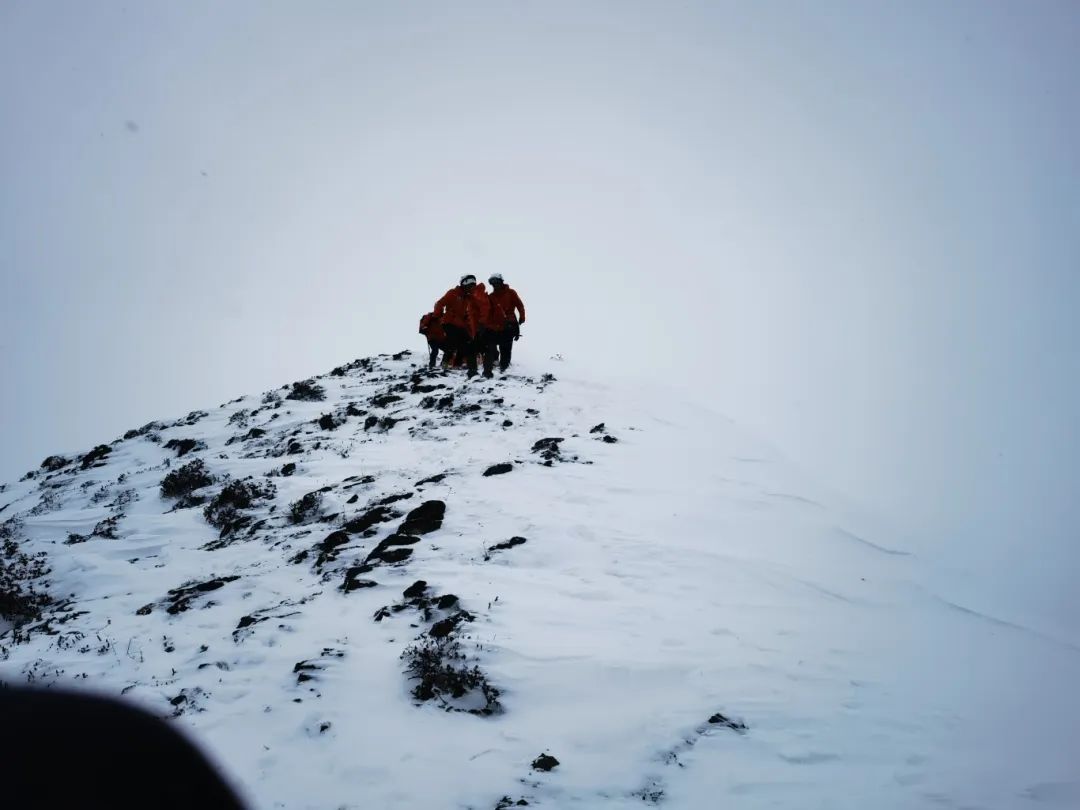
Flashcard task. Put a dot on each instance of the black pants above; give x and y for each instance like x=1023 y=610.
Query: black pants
x=487 y=347
x=434 y=347
x=504 y=344
x=464 y=345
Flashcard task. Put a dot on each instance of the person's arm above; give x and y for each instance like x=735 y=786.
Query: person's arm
x=520 y=307
x=440 y=305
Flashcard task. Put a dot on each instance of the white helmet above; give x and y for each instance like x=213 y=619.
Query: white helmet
x=468 y=278
x=496 y=277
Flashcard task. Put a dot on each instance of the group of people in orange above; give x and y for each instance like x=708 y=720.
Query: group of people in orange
x=470 y=322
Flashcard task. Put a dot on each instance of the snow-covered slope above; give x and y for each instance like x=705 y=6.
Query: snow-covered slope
x=641 y=591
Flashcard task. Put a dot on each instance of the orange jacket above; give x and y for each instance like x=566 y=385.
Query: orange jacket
x=483 y=311
x=468 y=311
x=509 y=303
x=452 y=308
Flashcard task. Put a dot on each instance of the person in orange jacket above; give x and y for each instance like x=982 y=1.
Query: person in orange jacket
x=506 y=314
x=431 y=328
x=488 y=318
x=463 y=312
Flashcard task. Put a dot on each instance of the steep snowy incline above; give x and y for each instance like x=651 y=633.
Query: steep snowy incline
x=389 y=587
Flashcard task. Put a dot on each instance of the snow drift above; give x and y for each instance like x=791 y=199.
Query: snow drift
x=392 y=587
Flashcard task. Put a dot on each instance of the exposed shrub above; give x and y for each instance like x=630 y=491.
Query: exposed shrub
x=143 y=431
x=192 y=418
x=224 y=512
x=307 y=391
x=107 y=528
x=442 y=673
x=185 y=480
x=99 y=453
x=20 y=601
x=54 y=463
x=306 y=507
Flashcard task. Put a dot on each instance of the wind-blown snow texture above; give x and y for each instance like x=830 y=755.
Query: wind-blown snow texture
x=624 y=584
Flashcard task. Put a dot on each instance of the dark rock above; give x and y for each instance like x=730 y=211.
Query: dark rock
x=720 y=720
x=392 y=555
x=182 y=597
x=416 y=589
x=444 y=627
x=192 y=418
x=358 y=481
x=95 y=456
x=382 y=400
x=389 y=499
x=255 y=433
x=432 y=480
x=328 y=548
x=334 y=540
x=247 y=621
x=353 y=499
x=327 y=422
x=352 y=410
x=507 y=423
x=597 y=428
x=306 y=391
x=145 y=610
x=288 y=469
x=513 y=541
x=352 y=579
x=54 y=463
x=446 y=601
x=548 y=449
x=295 y=448
x=184 y=446
x=498 y=469
x=609 y=440
x=545 y=762
x=392 y=541
x=426 y=518
x=378 y=514
x=371 y=422
x=304 y=669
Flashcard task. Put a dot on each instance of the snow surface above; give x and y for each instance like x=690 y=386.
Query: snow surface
x=682 y=571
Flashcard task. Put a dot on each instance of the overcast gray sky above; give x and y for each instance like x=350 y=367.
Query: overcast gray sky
x=851 y=226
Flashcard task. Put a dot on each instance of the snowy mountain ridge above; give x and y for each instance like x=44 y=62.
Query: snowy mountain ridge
x=393 y=587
